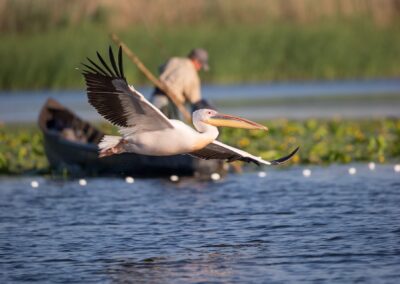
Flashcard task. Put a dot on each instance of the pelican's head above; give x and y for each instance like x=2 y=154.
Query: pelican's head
x=212 y=117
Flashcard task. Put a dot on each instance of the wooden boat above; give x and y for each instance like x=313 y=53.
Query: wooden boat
x=71 y=146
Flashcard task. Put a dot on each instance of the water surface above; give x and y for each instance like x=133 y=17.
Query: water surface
x=331 y=227
x=321 y=99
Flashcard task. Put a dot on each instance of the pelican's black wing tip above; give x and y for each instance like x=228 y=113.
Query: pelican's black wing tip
x=283 y=160
x=120 y=64
x=113 y=63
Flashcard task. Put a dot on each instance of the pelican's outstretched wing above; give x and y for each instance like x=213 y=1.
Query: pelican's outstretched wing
x=118 y=102
x=219 y=150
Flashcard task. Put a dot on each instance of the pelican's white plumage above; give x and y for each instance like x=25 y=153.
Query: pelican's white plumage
x=146 y=130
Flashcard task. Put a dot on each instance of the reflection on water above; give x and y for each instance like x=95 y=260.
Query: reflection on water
x=214 y=267
x=329 y=227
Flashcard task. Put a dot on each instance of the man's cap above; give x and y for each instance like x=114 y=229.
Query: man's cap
x=202 y=56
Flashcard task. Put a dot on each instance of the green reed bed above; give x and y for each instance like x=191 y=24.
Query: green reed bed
x=238 y=53
x=321 y=142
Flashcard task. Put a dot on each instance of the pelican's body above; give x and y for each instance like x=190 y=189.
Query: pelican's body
x=181 y=139
x=145 y=130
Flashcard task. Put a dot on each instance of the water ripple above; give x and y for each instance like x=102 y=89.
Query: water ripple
x=331 y=228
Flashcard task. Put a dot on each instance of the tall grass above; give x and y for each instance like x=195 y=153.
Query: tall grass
x=43 y=41
x=237 y=53
x=35 y=15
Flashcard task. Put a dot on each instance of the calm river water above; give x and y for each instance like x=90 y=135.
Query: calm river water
x=295 y=100
x=330 y=227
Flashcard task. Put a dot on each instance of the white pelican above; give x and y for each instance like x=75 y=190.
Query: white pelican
x=146 y=130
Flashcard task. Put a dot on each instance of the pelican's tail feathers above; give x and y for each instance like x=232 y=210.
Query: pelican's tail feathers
x=110 y=145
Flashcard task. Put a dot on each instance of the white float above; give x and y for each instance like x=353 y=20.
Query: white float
x=262 y=174
x=352 y=171
x=371 y=166
x=306 y=172
x=129 y=180
x=174 y=178
x=215 y=176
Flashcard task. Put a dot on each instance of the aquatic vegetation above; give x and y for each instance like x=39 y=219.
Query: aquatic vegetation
x=321 y=141
x=21 y=150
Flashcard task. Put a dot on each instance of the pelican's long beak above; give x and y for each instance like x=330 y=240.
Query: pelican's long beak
x=234 y=121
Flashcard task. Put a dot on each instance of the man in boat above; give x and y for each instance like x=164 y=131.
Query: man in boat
x=180 y=74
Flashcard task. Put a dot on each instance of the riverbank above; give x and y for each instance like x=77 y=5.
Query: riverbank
x=322 y=142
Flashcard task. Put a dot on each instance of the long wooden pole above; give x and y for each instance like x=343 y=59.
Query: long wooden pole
x=133 y=57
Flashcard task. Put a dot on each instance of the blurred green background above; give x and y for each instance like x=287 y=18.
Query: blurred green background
x=43 y=41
